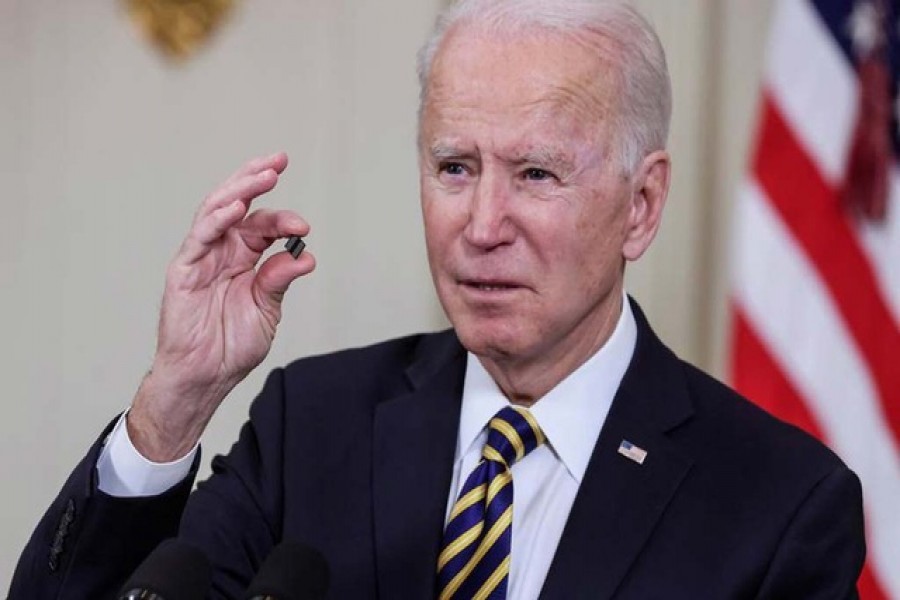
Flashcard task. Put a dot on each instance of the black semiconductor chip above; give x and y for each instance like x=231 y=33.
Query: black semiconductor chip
x=295 y=245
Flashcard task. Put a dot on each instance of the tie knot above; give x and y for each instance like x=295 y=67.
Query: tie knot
x=512 y=433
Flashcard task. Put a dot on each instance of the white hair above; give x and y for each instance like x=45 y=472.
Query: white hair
x=644 y=104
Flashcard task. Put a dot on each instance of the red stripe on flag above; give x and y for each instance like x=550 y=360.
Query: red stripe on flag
x=758 y=376
x=868 y=586
x=811 y=210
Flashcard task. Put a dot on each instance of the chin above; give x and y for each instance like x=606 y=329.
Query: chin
x=497 y=341
x=497 y=333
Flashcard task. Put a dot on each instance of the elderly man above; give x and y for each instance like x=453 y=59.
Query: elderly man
x=543 y=170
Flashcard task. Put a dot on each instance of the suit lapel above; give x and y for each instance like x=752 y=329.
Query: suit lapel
x=414 y=445
x=620 y=501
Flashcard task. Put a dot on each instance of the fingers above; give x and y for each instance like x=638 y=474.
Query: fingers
x=214 y=226
x=246 y=188
x=277 y=162
x=229 y=203
x=276 y=275
x=209 y=229
x=264 y=226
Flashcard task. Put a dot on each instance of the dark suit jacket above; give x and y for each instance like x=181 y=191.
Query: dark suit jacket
x=352 y=453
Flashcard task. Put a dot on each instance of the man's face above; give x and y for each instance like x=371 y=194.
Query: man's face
x=525 y=212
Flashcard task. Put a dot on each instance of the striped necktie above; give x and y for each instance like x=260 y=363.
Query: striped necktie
x=474 y=559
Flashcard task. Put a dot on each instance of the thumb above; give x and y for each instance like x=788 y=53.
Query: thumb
x=277 y=273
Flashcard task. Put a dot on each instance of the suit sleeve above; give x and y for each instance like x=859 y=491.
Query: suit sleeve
x=236 y=516
x=823 y=549
x=88 y=543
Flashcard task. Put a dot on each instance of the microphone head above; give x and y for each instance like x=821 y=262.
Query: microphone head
x=293 y=571
x=175 y=570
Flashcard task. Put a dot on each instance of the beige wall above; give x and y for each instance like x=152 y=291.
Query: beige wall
x=715 y=52
x=105 y=150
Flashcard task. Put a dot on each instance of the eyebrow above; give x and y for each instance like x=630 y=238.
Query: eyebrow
x=549 y=157
x=447 y=151
x=546 y=156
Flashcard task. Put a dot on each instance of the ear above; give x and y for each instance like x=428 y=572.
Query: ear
x=650 y=188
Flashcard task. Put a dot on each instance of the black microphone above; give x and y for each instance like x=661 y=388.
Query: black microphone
x=292 y=571
x=175 y=570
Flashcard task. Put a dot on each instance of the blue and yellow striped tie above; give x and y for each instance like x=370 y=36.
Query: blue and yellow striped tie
x=474 y=559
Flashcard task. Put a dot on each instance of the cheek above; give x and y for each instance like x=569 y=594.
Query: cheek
x=596 y=246
x=605 y=220
x=440 y=221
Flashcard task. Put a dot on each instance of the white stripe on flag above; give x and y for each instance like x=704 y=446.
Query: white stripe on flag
x=790 y=310
x=881 y=243
x=816 y=90
x=813 y=84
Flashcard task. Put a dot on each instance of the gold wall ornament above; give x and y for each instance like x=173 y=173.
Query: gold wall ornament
x=177 y=28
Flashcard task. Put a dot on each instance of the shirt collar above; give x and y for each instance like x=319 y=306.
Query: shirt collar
x=572 y=413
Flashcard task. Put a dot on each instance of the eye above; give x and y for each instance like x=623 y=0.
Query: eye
x=452 y=168
x=535 y=174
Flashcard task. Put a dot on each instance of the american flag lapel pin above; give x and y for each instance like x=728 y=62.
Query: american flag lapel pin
x=632 y=452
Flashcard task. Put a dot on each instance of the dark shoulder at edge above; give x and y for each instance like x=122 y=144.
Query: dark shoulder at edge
x=383 y=365
x=743 y=421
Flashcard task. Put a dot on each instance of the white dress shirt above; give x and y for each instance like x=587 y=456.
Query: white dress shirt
x=544 y=483
x=122 y=471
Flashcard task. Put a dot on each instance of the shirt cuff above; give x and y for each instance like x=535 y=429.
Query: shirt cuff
x=123 y=472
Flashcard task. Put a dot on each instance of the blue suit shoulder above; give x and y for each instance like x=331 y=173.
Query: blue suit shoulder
x=368 y=374
x=745 y=433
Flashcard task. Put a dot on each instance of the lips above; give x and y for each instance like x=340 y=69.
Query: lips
x=490 y=285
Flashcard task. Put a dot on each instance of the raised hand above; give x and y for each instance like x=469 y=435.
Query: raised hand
x=219 y=311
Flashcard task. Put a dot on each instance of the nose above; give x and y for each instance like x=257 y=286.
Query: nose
x=490 y=223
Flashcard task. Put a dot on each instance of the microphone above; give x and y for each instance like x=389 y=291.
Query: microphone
x=293 y=571
x=175 y=570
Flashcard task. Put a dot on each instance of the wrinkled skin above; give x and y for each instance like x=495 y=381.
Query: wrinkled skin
x=219 y=312
x=528 y=219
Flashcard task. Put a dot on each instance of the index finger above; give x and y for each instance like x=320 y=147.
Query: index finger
x=245 y=184
x=278 y=162
x=245 y=188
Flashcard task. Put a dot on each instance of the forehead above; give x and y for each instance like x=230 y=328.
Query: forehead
x=539 y=78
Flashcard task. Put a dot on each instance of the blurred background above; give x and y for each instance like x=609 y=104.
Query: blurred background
x=113 y=127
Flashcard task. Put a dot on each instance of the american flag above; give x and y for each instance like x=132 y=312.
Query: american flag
x=635 y=453
x=816 y=261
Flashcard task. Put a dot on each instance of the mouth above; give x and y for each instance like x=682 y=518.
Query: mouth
x=490 y=285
